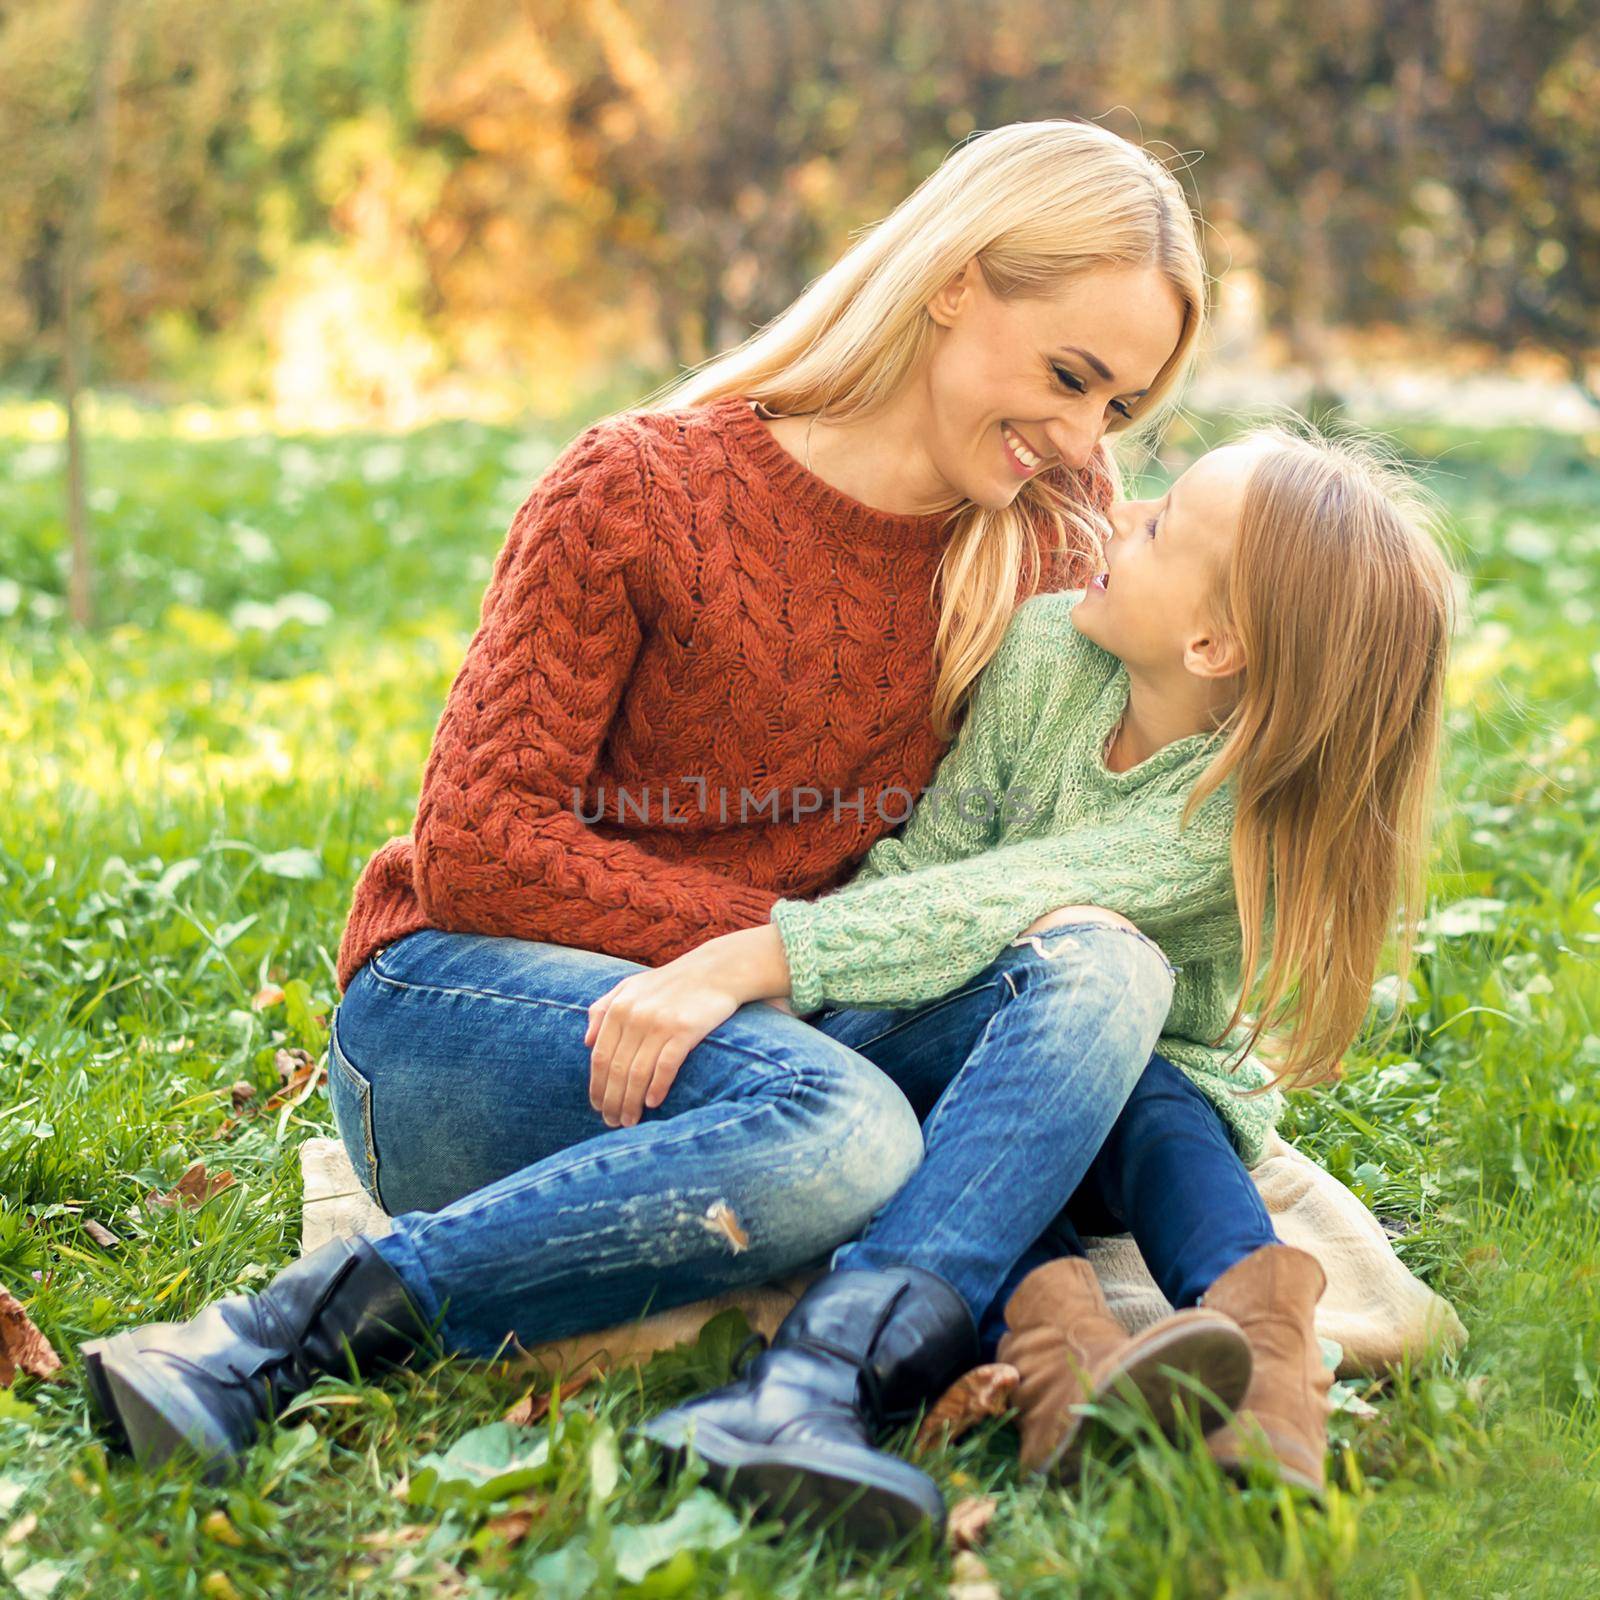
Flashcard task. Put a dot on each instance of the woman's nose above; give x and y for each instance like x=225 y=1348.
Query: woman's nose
x=1075 y=442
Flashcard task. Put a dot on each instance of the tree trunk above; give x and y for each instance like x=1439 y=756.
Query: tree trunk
x=75 y=335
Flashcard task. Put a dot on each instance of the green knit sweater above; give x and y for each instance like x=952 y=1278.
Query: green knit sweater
x=1024 y=816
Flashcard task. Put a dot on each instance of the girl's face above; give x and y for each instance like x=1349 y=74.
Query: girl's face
x=1148 y=605
x=1043 y=375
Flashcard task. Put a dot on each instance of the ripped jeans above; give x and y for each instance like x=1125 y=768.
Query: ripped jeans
x=946 y=1135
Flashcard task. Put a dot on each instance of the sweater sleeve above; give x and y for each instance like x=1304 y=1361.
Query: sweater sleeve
x=959 y=813
x=499 y=847
x=914 y=937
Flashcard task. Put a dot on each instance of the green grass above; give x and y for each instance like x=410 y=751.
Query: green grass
x=188 y=800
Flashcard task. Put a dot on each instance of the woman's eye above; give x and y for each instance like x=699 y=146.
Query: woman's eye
x=1150 y=526
x=1070 y=380
x=1122 y=409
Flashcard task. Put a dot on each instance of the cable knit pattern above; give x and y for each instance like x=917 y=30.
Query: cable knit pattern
x=1024 y=816
x=699 y=677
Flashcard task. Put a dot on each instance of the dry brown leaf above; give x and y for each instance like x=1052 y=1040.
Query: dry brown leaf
x=972 y=1580
x=512 y=1526
x=100 y=1233
x=19 y=1530
x=22 y=1347
x=983 y=1392
x=535 y=1405
x=267 y=997
x=290 y=1060
x=193 y=1189
x=967 y=1526
x=241 y=1093
x=302 y=1081
x=397 y=1538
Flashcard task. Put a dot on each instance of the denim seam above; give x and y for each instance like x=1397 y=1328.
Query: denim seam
x=923 y=1011
x=363 y=1087
x=557 y=1005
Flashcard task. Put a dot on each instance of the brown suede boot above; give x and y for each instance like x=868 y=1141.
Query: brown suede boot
x=1070 y=1350
x=1272 y=1294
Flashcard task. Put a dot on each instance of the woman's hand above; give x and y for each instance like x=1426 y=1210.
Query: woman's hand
x=641 y=1031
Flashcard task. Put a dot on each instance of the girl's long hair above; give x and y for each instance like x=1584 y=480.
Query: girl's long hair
x=1037 y=203
x=1339 y=591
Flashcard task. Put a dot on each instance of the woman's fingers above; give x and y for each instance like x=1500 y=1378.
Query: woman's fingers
x=667 y=1064
x=641 y=1074
x=608 y=1038
x=616 y=1085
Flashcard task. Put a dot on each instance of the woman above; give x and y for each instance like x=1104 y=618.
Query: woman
x=720 y=654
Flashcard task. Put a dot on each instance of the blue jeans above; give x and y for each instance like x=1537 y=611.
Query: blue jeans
x=459 y=1081
x=1169 y=1175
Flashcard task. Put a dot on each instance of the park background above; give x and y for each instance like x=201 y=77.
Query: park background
x=322 y=288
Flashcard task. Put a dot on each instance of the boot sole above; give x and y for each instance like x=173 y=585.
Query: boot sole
x=156 y=1422
x=92 y=1354
x=881 y=1505
x=1207 y=1347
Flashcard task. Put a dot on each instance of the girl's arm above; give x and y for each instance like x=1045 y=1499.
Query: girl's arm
x=914 y=937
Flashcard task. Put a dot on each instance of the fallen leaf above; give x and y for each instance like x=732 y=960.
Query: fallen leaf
x=535 y=1405
x=242 y=1093
x=302 y=1080
x=20 y=1529
x=972 y=1580
x=513 y=1527
x=193 y=1189
x=967 y=1526
x=22 y=1347
x=100 y=1233
x=265 y=998
x=219 y=1526
x=398 y=1538
x=983 y=1392
x=290 y=1060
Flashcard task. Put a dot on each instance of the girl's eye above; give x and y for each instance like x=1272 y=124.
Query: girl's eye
x=1150 y=526
x=1122 y=409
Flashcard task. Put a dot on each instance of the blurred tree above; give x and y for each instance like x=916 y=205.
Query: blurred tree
x=399 y=188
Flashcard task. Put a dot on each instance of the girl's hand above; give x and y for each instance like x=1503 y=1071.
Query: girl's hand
x=642 y=1030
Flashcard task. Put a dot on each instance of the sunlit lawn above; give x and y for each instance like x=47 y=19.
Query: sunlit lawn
x=188 y=800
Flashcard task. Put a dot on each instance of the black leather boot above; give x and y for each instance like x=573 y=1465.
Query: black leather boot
x=860 y=1351
x=204 y=1387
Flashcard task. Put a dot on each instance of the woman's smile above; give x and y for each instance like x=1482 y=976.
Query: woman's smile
x=1022 y=458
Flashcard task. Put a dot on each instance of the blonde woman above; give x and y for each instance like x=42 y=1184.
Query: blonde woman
x=727 y=640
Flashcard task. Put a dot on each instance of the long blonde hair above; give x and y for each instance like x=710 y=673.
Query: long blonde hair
x=1342 y=599
x=1037 y=203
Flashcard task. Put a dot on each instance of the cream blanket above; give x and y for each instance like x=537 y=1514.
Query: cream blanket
x=1373 y=1309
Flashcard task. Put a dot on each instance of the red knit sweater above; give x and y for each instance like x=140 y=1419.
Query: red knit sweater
x=684 y=632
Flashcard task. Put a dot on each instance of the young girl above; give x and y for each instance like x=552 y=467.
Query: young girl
x=1227 y=744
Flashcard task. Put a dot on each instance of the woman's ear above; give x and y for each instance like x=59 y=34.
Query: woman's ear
x=944 y=305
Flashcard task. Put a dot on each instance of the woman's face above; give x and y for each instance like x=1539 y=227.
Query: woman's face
x=1048 y=374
